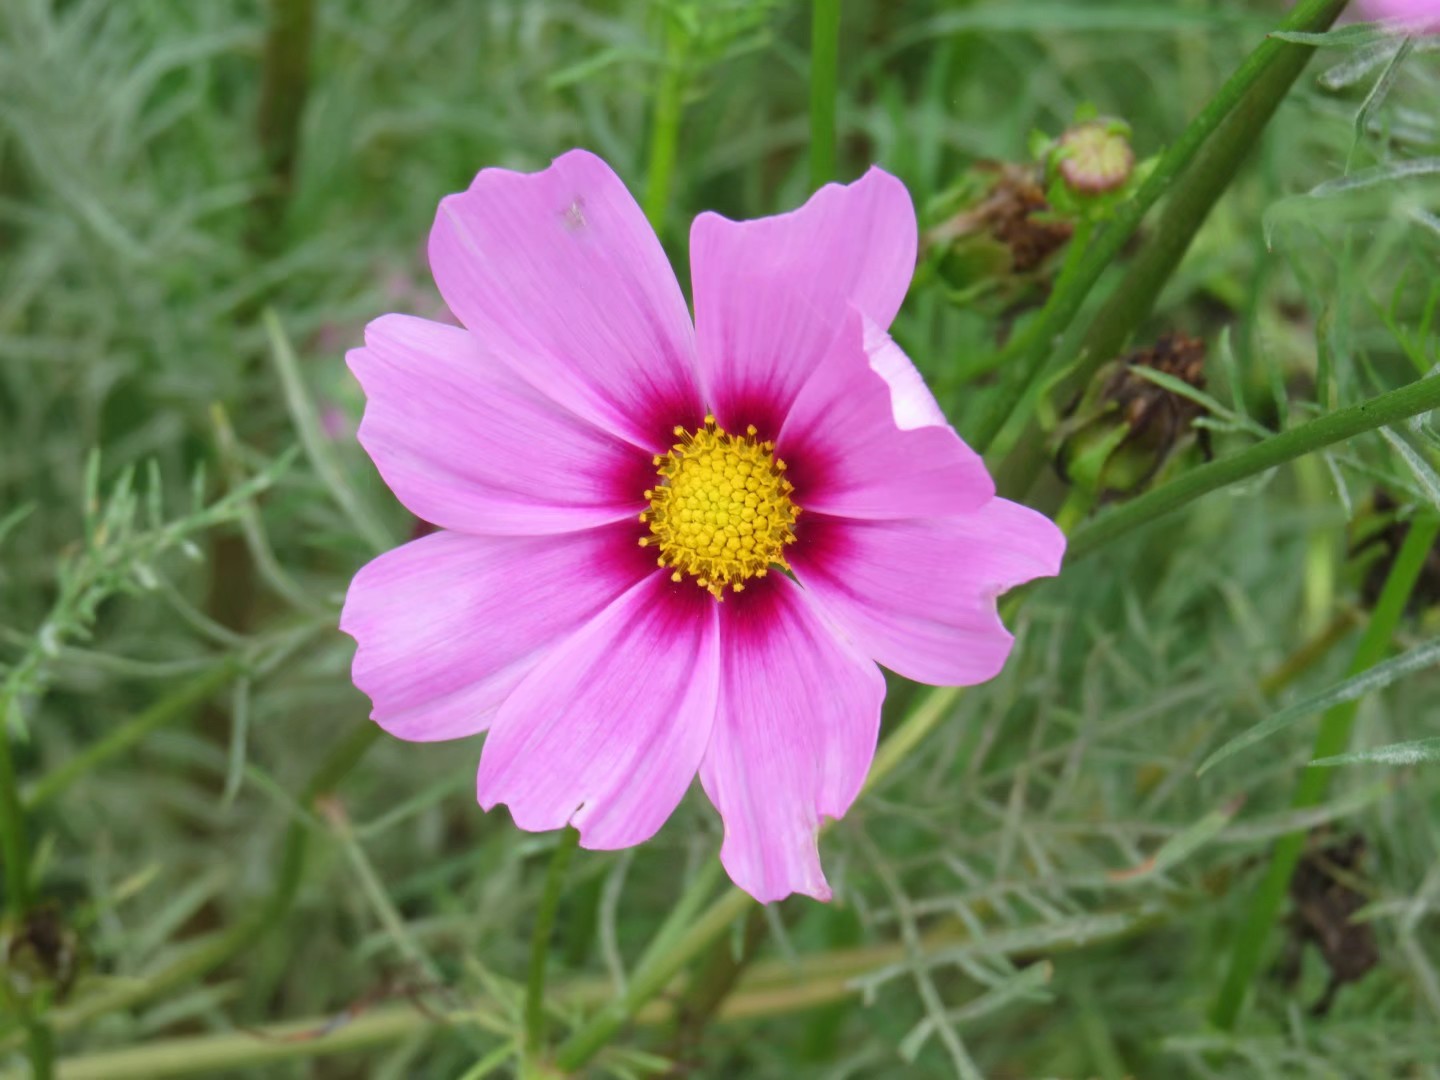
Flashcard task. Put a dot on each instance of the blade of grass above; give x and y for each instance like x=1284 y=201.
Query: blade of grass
x=1417 y=752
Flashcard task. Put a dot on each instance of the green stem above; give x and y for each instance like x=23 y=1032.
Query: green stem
x=163 y=712
x=40 y=1048
x=665 y=129
x=1332 y=738
x=1025 y=357
x=14 y=854
x=540 y=943
x=1420 y=396
x=284 y=86
x=824 y=75
x=1190 y=202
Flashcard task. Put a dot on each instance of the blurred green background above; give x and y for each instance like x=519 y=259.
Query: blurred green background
x=196 y=222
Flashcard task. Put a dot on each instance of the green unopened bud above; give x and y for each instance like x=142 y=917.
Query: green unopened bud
x=1095 y=157
x=1128 y=430
x=992 y=237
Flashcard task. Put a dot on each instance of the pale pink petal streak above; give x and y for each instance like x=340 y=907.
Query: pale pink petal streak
x=466 y=445
x=449 y=624
x=793 y=739
x=919 y=595
x=559 y=272
x=608 y=731
x=865 y=439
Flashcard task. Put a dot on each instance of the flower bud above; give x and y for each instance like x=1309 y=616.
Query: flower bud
x=995 y=237
x=1095 y=157
x=1127 y=431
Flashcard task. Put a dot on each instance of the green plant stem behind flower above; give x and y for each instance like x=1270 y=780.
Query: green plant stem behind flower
x=13 y=847
x=1421 y=396
x=540 y=943
x=824 y=76
x=665 y=125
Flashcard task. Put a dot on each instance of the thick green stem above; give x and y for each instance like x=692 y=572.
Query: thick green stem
x=40 y=1047
x=1190 y=202
x=665 y=128
x=540 y=943
x=1332 y=738
x=824 y=76
x=1420 y=396
x=165 y=711
x=1027 y=354
x=14 y=852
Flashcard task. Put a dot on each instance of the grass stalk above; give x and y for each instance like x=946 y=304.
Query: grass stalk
x=824 y=77
x=665 y=127
x=14 y=849
x=540 y=943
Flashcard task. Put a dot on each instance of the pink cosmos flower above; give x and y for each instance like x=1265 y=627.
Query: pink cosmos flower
x=1410 y=16
x=668 y=549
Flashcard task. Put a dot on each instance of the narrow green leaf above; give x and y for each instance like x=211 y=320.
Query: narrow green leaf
x=1417 y=752
x=1376 y=678
x=1346 y=37
x=1183 y=844
x=317 y=445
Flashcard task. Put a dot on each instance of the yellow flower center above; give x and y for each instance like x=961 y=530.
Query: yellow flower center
x=722 y=512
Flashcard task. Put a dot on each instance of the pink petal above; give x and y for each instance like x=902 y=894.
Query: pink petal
x=559 y=274
x=850 y=244
x=465 y=444
x=793 y=739
x=919 y=595
x=607 y=732
x=1414 y=16
x=449 y=624
x=865 y=438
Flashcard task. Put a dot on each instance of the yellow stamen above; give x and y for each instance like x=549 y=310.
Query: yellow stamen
x=722 y=512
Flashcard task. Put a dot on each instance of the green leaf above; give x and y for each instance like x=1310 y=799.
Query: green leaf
x=1376 y=678
x=1417 y=752
x=1346 y=37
